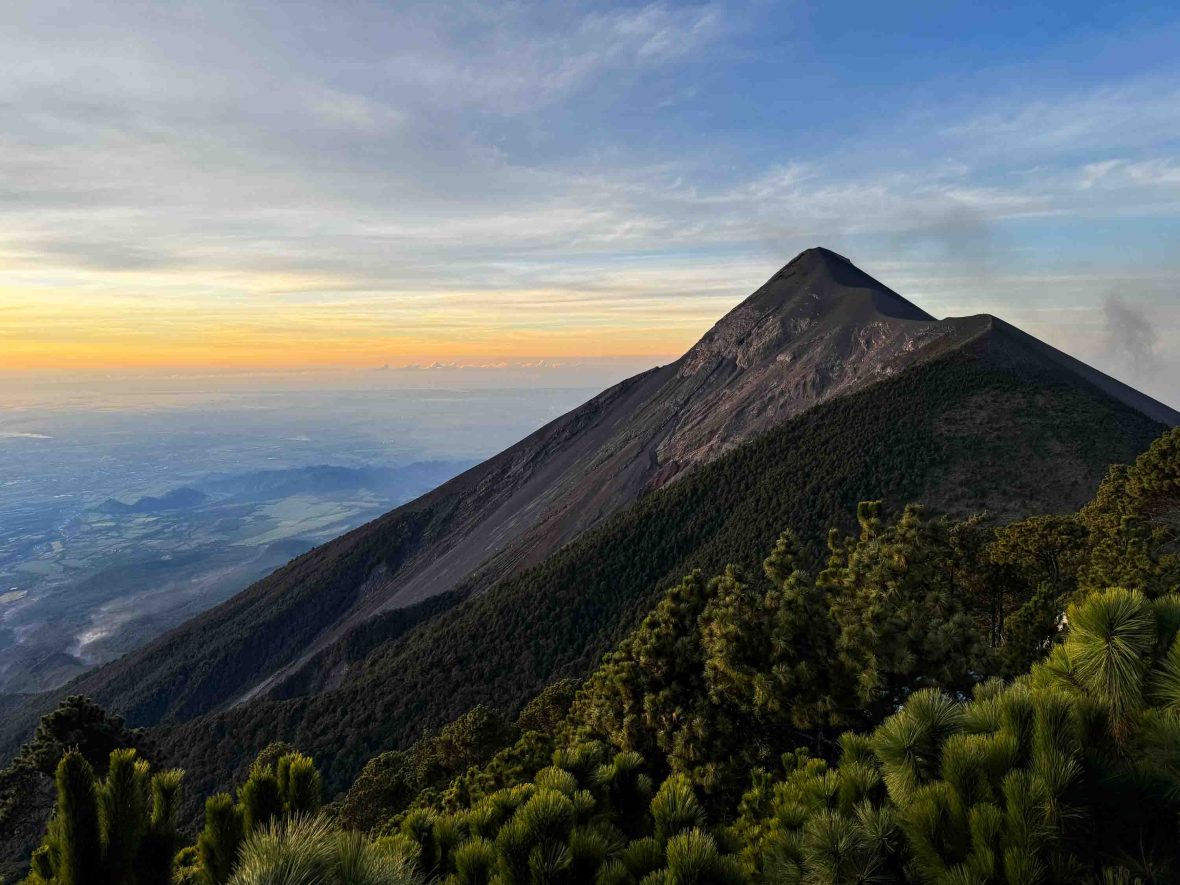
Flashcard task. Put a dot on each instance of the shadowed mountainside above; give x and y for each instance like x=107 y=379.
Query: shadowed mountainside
x=989 y=425
x=819 y=330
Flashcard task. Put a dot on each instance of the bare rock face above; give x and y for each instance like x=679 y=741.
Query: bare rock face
x=818 y=328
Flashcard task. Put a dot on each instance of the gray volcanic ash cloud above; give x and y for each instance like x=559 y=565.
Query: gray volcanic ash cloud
x=1132 y=340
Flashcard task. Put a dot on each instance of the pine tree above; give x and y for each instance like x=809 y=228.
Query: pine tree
x=1111 y=647
x=117 y=830
x=1043 y=550
x=637 y=699
x=1032 y=630
x=765 y=646
x=534 y=843
x=299 y=784
x=75 y=830
x=220 y=840
x=675 y=809
x=475 y=862
x=472 y=739
x=1135 y=522
x=628 y=790
x=158 y=847
x=123 y=809
x=81 y=725
x=260 y=799
x=545 y=711
x=897 y=605
x=693 y=857
x=385 y=786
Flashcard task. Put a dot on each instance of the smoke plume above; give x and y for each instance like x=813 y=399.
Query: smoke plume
x=1132 y=340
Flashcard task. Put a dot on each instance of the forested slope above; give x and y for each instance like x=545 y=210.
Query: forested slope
x=817 y=331
x=820 y=719
x=986 y=425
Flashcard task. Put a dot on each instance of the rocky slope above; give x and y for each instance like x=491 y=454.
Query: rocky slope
x=818 y=330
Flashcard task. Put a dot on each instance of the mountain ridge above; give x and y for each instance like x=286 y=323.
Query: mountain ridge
x=817 y=330
x=981 y=427
x=674 y=418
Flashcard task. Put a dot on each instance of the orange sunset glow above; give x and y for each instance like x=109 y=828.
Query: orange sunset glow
x=200 y=323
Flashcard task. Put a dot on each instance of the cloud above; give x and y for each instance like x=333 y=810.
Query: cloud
x=523 y=59
x=407 y=145
x=1133 y=115
x=258 y=138
x=1152 y=173
x=493 y=366
x=265 y=172
x=1132 y=339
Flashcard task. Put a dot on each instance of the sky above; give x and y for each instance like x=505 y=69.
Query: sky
x=234 y=185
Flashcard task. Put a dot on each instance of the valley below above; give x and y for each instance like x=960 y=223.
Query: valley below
x=85 y=584
x=129 y=507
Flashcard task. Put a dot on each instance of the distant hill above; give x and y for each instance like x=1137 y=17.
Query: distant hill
x=177 y=499
x=822 y=388
x=319 y=479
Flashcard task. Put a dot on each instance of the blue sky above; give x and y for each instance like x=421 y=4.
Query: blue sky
x=397 y=182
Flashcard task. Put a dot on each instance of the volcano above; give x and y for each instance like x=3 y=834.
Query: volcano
x=969 y=414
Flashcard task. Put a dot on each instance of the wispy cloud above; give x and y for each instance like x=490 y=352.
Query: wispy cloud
x=1138 y=114
x=366 y=178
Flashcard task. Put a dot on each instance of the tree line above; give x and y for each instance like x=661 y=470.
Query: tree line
x=899 y=440
x=929 y=701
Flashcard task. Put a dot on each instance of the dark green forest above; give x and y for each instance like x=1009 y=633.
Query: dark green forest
x=962 y=433
x=899 y=441
x=915 y=698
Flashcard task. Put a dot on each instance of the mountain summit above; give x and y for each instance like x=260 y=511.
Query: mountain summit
x=821 y=327
x=1007 y=423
